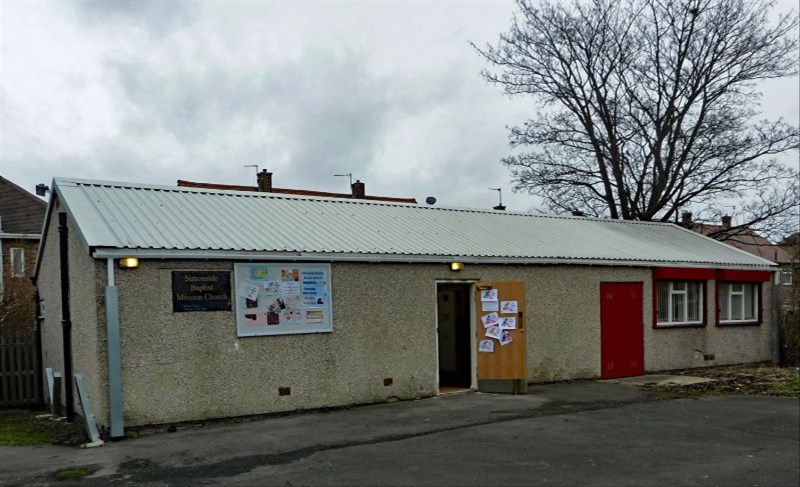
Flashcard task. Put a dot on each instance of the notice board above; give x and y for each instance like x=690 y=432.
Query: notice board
x=282 y=298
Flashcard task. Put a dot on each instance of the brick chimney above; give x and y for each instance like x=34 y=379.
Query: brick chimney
x=686 y=219
x=264 y=180
x=726 y=221
x=358 y=189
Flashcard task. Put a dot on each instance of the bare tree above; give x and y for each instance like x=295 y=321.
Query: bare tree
x=647 y=108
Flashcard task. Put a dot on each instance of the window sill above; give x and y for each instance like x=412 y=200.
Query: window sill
x=662 y=326
x=739 y=323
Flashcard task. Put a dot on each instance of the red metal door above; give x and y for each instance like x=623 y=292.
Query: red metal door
x=621 y=329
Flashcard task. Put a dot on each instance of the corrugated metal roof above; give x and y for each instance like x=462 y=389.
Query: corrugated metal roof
x=139 y=217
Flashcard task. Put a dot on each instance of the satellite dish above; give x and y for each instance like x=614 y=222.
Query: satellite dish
x=430 y=200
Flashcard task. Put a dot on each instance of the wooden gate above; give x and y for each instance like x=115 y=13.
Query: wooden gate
x=19 y=379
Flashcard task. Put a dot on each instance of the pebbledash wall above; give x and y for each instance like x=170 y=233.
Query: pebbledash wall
x=87 y=278
x=192 y=366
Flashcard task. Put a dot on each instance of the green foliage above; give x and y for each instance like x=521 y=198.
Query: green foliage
x=790 y=387
x=74 y=473
x=21 y=428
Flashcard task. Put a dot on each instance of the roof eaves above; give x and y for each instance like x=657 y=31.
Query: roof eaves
x=148 y=253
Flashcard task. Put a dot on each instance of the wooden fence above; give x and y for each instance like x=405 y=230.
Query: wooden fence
x=19 y=379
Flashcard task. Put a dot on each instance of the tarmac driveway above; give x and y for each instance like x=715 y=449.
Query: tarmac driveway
x=586 y=433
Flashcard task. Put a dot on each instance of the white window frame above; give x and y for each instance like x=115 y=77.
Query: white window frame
x=671 y=292
x=14 y=261
x=728 y=287
x=787 y=273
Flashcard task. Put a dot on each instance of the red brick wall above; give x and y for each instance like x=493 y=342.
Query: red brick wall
x=18 y=288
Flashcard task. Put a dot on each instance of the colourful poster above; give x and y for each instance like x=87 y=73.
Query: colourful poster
x=290 y=275
x=488 y=294
x=291 y=317
x=259 y=272
x=314 y=287
x=494 y=332
x=290 y=288
x=505 y=338
x=508 y=323
x=315 y=316
x=486 y=346
x=272 y=288
x=489 y=320
x=247 y=291
x=508 y=306
x=255 y=319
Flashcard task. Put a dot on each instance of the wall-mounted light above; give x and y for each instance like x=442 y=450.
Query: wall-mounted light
x=456 y=266
x=128 y=263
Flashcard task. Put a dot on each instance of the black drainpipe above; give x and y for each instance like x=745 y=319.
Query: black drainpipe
x=66 y=324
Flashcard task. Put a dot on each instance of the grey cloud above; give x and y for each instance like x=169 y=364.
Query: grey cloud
x=159 y=18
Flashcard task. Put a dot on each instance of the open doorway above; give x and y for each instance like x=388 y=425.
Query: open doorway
x=453 y=301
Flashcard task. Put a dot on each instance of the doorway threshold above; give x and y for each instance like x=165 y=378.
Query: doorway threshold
x=453 y=390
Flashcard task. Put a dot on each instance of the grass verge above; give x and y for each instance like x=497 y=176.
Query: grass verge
x=18 y=428
x=23 y=428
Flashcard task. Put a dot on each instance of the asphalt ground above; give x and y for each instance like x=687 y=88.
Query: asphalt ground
x=584 y=433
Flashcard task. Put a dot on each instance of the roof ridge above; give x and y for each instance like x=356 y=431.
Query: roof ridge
x=257 y=194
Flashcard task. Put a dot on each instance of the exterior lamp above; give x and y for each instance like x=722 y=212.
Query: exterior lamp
x=456 y=266
x=128 y=263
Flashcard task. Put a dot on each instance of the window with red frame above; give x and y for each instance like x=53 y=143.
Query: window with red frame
x=680 y=303
x=738 y=302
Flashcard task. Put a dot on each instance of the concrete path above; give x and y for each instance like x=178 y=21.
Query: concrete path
x=586 y=433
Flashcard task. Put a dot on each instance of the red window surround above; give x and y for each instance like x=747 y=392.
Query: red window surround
x=681 y=274
x=702 y=274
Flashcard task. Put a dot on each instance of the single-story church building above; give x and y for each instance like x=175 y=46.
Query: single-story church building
x=184 y=304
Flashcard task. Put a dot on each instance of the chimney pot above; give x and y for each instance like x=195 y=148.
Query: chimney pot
x=686 y=218
x=358 y=189
x=499 y=208
x=264 y=181
x=726 y=221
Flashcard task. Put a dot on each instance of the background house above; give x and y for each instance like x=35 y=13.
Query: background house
x=785 y=253
x=21 y=219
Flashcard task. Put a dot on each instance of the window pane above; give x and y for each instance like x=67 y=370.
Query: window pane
x=679 y=286
x=737 y=288
x=678 y=307
x=694 y=301
x=17 y=262
x=663 y=302
x=750 y=302
x=736 y=307
x=724 y=301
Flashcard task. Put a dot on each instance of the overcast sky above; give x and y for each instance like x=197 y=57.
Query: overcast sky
x=153 y=92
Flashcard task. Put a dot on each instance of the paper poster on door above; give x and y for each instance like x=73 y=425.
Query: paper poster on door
x=488 y=294
x=490 y=306
x=489 y=320
x=486 y=346
x=505 y=338
x=508 y=306
x=507 y=323
x=494 y=332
